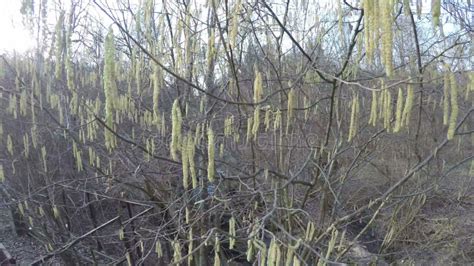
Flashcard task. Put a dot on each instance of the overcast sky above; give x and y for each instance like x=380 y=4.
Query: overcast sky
x=13 y=36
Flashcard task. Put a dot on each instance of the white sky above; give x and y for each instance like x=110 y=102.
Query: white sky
x=13 y=35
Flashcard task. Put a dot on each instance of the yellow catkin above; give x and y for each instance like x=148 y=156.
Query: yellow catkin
x=148 y=18
x=267 y=121
x=332 y=242
x=454 y=106
x=10 y=144
x=23 y=103
x=202 y=105
x=185 y=162
x=191 y=151
x=26 y=145
x=179 y=52
x=370 y=27
x=74 y=103
x=406 y=7
x=387 y=35
x=79 y=161
x=446 y=99
x=250 y=250
x=190 y=246
x=221 y=150
x=272 y=252
x=357 y=113
x=290 y=253
x=310 y=230
x=373 y=109
x=129 y=258
x=232 y=233
x=470 y=85
x=277 y=120
x=257 y=97
x=256 y=122
x=387 y=109
x=217 y=247
x=306 y=108
x=110 y=89
x=41 y=211
x=176 y=251
x=163 y=125
x=398 y=113
x=236 y=136
x=278 y=255
x=59 y=45
x=296 y=261
x=471 y=171
x=21 y=209
x=152 y=144
x=210 y=155
x=228 y=124
x=249 y=128
x=121 y=233
x=211 y=50
x=142 y=246
x=466 y=91
x=203 y=131
x=408 y=106
x=2 y=174
x=257 y=87
x=156 y=78
x=176 y=121
x=197 y=134
x=32 y=106
x=291 y=107
x=158 y=249
x=436 y=11
x=187 y=214
x=91 y=156
x=12 y=106
x=263 y=251
x=55 y=212
x=43 y=156
x=235 y=23
x=138 y=71
x=381 y=104
x=354 y=117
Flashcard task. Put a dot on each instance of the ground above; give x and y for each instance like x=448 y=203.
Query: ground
x=23 y=248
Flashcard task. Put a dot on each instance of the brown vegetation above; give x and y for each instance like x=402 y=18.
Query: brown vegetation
x=242 y=132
